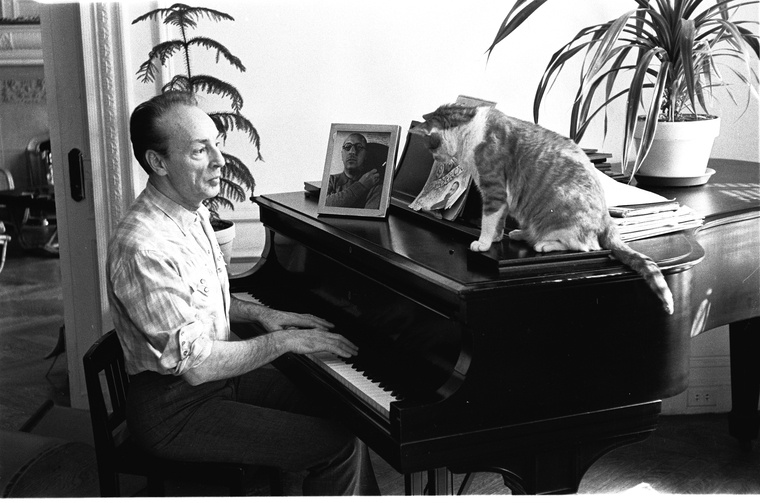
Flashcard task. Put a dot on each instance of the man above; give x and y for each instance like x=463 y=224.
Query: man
x=355 y=186
x=195 y=392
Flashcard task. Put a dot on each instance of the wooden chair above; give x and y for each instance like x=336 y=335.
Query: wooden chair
x=4 y=240
x=117 y=454
x=7 y=183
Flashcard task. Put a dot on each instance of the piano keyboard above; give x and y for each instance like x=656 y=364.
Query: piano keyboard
x=354 y=380
x=360 y=385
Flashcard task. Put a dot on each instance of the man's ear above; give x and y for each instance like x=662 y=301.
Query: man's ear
x=156 y=162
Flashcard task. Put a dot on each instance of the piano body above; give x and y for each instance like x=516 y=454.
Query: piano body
x=529 y=365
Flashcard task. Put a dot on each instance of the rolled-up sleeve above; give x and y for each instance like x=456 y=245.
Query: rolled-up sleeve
x=187 y=350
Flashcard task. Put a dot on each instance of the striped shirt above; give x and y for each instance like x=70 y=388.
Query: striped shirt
x=167 y=284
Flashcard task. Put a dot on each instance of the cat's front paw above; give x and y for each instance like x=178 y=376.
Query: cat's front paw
x=480 y=246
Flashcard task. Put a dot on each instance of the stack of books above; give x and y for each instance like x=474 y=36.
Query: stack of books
x=600 y=160
x=649 y=216
x=639 y=221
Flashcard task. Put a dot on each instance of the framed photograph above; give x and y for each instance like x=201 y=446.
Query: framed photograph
x=359 y=170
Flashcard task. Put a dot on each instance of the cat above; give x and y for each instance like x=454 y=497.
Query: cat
x=538 y=177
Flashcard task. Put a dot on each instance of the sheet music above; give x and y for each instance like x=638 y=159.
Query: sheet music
x=620 y=194
x=444 y=186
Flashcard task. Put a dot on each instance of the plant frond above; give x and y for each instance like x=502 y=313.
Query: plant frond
x=212 y=85
x=635 y=94
x=161 y=53
x=213 y=204
x=227 y=122
x=650 y=121
x=235 y=169
x=689 y=8
x=178 y=83
x=678 y=43
x=154 y=14
x=184 y=16
x=230 y=191
x=220 y=49
x=685 y=36
x=510 y=23
x=607 y=44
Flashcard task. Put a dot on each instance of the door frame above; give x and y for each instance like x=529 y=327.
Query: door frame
x=88 y=103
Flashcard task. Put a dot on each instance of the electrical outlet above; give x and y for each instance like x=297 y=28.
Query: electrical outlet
x=703 y=397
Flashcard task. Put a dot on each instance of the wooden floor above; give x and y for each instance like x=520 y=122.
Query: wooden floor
x=690 y=454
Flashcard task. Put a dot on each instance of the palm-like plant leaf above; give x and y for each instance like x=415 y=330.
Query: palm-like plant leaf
x=212 y=85
x=510 y=23
x=235 y=169
x=227 y=122
x=236 y=180
x=677 y=47
x=182 y=15
x=162 y=52
x=221 y=50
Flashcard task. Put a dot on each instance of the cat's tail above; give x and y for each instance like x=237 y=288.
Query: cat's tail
x=645 y=266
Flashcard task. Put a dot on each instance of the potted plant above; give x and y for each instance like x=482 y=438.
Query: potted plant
x=666 y=55
x=236 y=181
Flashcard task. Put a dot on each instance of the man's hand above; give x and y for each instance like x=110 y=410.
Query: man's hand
x=370 y=178
x=316 y=341
x=273 y=320
x=306 y=333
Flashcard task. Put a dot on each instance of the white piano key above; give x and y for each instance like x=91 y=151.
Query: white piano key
x=369 y=392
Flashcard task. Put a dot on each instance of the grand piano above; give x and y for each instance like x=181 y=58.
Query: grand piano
x=528 y=365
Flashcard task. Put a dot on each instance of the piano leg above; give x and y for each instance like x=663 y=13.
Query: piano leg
x=744 y=341
x=414 y=484
x=440 y=482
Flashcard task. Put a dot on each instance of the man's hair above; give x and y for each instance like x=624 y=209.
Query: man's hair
x=144 y=124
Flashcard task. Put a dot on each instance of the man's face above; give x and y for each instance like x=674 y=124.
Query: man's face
x=353 y=151
x=193 y=164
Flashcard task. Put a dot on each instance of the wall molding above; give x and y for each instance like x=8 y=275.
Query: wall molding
x=23 y=91
x=20 y=44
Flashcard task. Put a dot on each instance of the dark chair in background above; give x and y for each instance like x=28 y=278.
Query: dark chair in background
x=117 y=454
x=39 y=163
x=4 y=240
x=6 y=217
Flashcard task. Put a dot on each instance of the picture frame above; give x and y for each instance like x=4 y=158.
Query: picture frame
x=370 y=147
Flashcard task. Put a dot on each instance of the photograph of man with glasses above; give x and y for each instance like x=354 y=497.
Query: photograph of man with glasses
x=359 y=185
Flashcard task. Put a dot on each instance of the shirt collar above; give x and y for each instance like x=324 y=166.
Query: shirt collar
x=183 y=217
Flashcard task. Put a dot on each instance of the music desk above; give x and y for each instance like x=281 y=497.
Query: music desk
x=726 y=285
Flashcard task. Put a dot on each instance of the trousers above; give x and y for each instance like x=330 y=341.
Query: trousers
x=260 y=418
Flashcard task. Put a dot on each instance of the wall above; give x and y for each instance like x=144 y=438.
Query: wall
x=311 y=64
x=22 y=116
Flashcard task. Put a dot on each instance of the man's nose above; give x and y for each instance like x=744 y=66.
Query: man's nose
x=217 y=157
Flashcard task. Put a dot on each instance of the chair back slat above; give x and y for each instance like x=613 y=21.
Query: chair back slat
x=104 y=361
